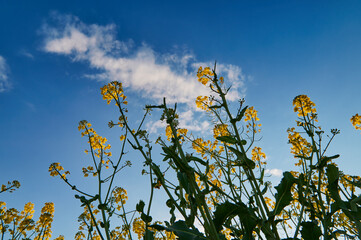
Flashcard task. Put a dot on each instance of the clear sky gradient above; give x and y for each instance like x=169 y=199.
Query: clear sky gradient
x=55 y=55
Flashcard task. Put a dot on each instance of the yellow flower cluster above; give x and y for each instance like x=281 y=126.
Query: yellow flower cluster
x=79 y=235
x=227 y=232
x=204 y=102
x=120 y=233
x=220 y=130
x=139 y=227
x=346 y=181
x=258 y=155
x=55 y=169
x=181 y=132
x=113 y=90
x=86 y=219
x=323 y=182
x=120 y=197
x=43 y=225
x=10 y=186
x=270 y=203
x=87 y=223
x=251 y=117
x=250 y=114
x=88 y=170
x=23 y=222
x=201 y=146
x=213 y=176
x=356 y=121
x=303 y=106
x=204 y=75
x=61 y=237
x=97 y=143
x=300 y=146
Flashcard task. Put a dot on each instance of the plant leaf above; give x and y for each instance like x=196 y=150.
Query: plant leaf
x=226 y=211
x=310 y=231
x=283 y=195
x=242 y=159
x=181 y=230
x=227 y=139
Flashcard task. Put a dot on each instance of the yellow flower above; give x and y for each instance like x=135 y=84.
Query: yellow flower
x=204 y=102
x=227 y=232
x=300 y=146
x=139 y=227
x=303 y=106
x=28 y=210
x=48 y=208
x=97 y=143
x=61 y=237
x=257 y=155
x=204 y=75
x=356 y=121
x=120 y=197
x=220 y=130
x=201 y=146
x=250 y=114
x=181 y=132
x=113 y=90
x=252 y=118
x=55 y=168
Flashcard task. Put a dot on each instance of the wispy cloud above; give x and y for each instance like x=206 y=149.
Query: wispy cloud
x=26 y=53
x=4 y=78
x=274 y=172
x=186 y=120
x=140 y=68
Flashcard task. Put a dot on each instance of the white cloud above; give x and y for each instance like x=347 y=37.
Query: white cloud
x=26 y=53
x=186 y=120
x=274 y=172
x=139 y=68
x=4 y=70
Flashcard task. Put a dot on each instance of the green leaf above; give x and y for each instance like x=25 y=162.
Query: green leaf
x=303 y=157
x=301 y=183
x=242 y=159
x=102 y=206
x=241 y=114
x=227 y=139
x=181 y=164
x=183 y=180
x=146 y=218
x=226 y=211
x=333 y=175
x=223 y=211
x=196 y=159
x=181 y=230
x=310 y=231
x=215 y=106
x=325 y=160
x=140 y=206
x=283 y=195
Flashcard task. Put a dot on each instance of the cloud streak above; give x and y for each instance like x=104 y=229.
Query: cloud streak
x=139 y=68
x=274 y=172
x=4 y=78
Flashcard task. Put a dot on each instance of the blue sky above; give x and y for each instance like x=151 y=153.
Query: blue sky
x=54 y=57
